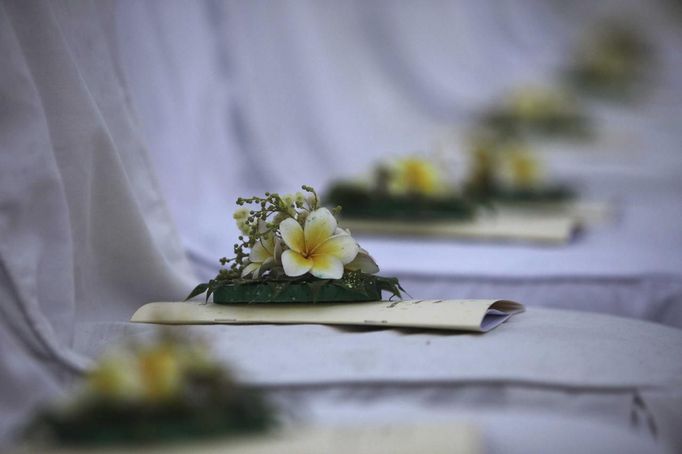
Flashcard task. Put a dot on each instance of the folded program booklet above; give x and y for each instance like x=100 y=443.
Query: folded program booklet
x=456 y=315
x=585 y=213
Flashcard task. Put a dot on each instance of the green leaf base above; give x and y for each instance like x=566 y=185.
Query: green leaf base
x=354 y=286
x=211 y=408
x=303 y=292
x=362 y=203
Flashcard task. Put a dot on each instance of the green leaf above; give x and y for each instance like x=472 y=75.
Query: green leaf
x=198 y=290
x=278 y=289
x=392 y=285
x=315 y=288
x=212 y=285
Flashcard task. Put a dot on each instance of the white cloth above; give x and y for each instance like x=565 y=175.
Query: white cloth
x=239 y=98
x=632 y=267
x=620 y=371
x=84 y=233
x=231 y=97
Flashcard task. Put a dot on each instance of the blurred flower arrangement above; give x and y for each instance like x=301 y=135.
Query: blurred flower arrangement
x=611 y=62
x=293 y=250
x=536 y=111
x=406 y=188
x=164 y=391
x=509 y=172
x=415 y=189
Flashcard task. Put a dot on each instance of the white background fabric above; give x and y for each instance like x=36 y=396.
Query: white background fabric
x=267 y=97
x=84 y=233
x=127 y=129
x=612 y=370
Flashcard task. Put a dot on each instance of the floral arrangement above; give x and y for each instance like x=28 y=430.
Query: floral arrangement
x=509 y=172
x=611 y=62
x=406 y=188
x=412 y=175
x=293 y=250
x=163 y=391
x=537 y=111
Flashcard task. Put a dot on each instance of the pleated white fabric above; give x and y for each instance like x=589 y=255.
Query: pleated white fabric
x=121 y=122
x=84 y=231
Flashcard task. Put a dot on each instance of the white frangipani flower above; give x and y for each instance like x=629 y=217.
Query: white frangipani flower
x=363 y=261
x=520 y=169
x=316 y=248
x=414 y=175
x=265 y=253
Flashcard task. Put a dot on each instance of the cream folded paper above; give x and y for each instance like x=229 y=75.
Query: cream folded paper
x=456 y=315
x=585 y=213
x=505 y=225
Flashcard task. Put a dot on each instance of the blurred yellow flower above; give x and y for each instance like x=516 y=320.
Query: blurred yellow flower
x=414 y=175
x=522 y=169
x=161 y=372
x=115 y=377
x=151 y=372
x=533 y=103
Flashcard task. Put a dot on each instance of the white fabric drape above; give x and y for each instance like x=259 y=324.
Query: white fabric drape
x=121 y=122
x=596 y=367
x=242 y=97
x=84 y=232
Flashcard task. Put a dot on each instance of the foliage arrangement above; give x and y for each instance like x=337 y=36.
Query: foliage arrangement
x=537 y=112
x=292 y=250
x=509 y=172
x=612 y=62
x=409 y=188
x=165 y=391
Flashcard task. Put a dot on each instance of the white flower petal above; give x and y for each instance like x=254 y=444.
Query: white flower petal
x=319 y=226
x=311 y=201
x=295 y=264
x=266 y=265
x=259 y=253
x=327 y=267
x=277 y=253
x=341 y=231
x=262 y=226
x=292 y=234
x=363 y=262
x=269 y=244
x=251 y=268
x=343 y=247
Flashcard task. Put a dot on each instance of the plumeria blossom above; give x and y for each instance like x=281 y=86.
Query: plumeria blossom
x=151 y=372
x=414 y=175
x=116 y=377
x=265 y=253
x=316 y=247
x=363 y=261
x=290 y=240
x=532 y=103
x=520 y=169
